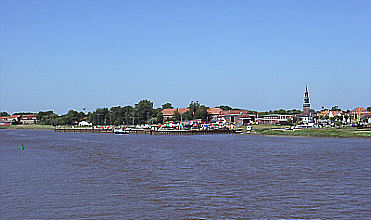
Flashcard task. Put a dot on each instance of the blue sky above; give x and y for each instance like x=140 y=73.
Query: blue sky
x=61 y=55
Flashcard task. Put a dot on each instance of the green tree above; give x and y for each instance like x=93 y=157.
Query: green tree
x=46 y=118
x=201 y=113
x=167 y=106
x=280 y=112
x=193 y=107
x=71 y=117
x=23 y=113
x=99 y=117
x=187 y=115
x=369 y=108
x=4 y=114
x=143 y=111
x=177 y=116
x=114 y=116
x=159 y=116
x=224 y=107
x=293 y=112
x=335 y=108
x=128 y=115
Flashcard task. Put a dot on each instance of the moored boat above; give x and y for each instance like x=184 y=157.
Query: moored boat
x=120 y=131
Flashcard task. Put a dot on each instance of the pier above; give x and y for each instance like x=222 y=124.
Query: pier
x=147 y=131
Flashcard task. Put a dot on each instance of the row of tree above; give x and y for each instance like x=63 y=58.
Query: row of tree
x=142 y=113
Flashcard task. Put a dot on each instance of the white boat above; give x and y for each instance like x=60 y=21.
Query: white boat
x=120 y=131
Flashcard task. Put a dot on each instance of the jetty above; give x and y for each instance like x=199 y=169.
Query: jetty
x=148 y=131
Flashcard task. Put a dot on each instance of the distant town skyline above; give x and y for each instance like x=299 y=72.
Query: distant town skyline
x=256 y=55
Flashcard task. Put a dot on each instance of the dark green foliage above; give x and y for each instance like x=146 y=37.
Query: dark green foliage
x=281 y=112
x=144 y=111
x=159 y=117
x=4 y=114
x=50 y=118
x=193 y=107
x=187 y=115
x=99 y=117
x=167 y=106
x=335 y=108
x=114 y=116
x=196 y=111
x=177 y=116
x=201 y=113
x=224 y=107
x=23 y=113
x=46 y=118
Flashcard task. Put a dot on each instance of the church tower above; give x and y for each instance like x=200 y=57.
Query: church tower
x=306 y=105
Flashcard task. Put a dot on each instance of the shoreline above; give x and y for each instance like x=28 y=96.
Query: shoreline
x=302 y=136
x=331 y=132
x=324 y=132
x=28 y=127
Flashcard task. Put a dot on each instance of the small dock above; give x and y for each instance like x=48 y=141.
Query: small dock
x=147 y=131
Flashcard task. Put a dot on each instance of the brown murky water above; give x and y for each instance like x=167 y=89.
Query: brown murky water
x=70 y=176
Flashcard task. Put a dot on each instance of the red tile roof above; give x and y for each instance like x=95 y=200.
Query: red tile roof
x=214 y=111
x=28 y=117
x=170 y=112
x=235 y=112
x=182 y=110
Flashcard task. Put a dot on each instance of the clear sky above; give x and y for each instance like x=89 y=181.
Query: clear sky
x=61 y=55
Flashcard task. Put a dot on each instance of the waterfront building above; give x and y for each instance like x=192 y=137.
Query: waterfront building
x=169 y=113
x=329 y=113
x=9 y=120
x=214 y=112
x=275 y=119
x=358 y=113
x=238 y=117
x=28 y=119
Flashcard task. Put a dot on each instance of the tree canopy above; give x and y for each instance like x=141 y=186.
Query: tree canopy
x=224 y=107
x=3 y=114
x=167 y=106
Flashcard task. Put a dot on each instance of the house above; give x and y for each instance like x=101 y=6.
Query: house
x=329 y=113
x=245 y=119
x=12 y=118
x=238 y=116
x=214 y=112
x=5 y=121
x=275 y=119
x=9 y=120
x=358 y=113
x=5 y=118
x=169 y=113
x=28 y=119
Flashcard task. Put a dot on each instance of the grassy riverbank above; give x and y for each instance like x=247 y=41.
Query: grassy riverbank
x=324 y=132
x=30 y=127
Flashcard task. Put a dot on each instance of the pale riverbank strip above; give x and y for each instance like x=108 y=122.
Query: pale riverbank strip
x=320 y=132
x=257 y=129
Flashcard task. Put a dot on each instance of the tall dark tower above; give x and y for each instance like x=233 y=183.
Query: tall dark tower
x=306 y=105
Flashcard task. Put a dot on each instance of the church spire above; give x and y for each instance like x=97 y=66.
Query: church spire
x=306 y=104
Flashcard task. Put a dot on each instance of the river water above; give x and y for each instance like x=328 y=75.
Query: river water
x=79 y=176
